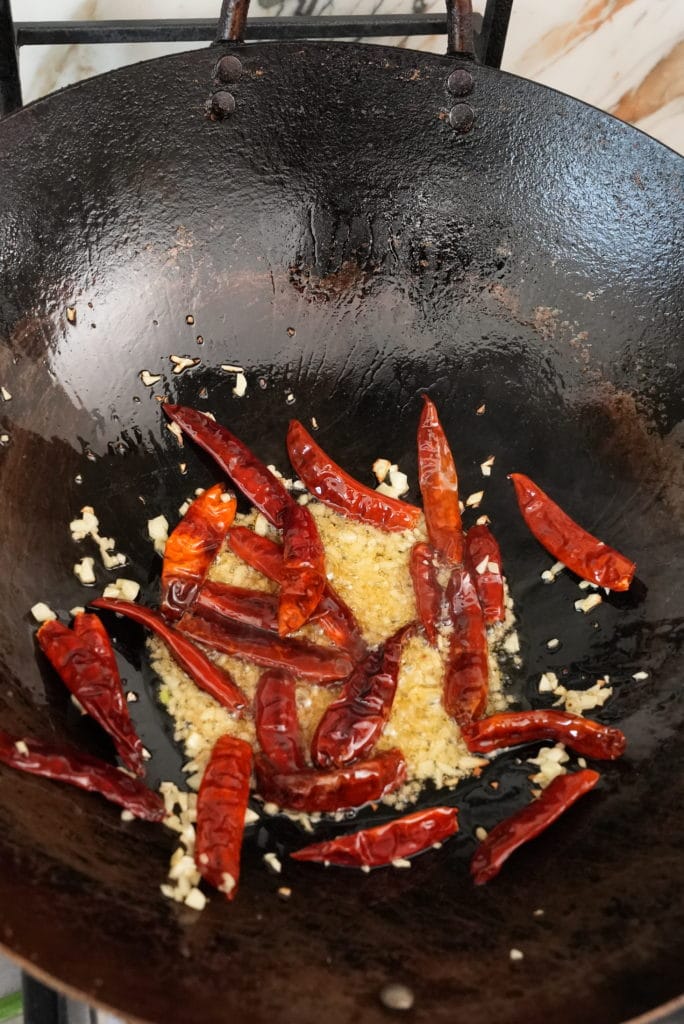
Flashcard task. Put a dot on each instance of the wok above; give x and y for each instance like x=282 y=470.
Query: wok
x=338 y=238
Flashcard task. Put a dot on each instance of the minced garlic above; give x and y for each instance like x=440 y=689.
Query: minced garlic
x=369 y=568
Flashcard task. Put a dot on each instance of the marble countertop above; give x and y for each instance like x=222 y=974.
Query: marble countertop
x=624 y=56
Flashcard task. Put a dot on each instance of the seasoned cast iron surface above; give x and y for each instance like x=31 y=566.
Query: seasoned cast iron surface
x=338 y=239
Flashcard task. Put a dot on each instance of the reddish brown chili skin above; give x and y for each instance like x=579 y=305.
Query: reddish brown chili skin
x=264 y=555
x=208 y=676
x=480 y=544
x=466 y=681
x=277 y=723
x=335 y=488
x=84 y=772
x=528 y=823
x=221 y=601
x=351 y=726
x=426 y=588
x=221 y=805
x=378 y=847
x=334 y=790
x=582 y=553
x=439 y=486
x=84 y=660
x=319 y=664
x=261 y=487
x=303 y=572
x=334 y=617
x=510 y=728
x=339 y=624
x=192 y=547
x=90 y=631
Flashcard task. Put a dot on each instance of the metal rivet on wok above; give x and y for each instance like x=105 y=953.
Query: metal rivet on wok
x=228 y=69
x=221 y=104
x=460 y=82
x=461 y=118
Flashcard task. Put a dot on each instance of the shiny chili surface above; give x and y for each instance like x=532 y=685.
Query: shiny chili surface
x=483 y=561
x=220 y=601
x=277 y=723
x=221 y=805
x=85 y=662
x=351 y=725
x=529 y=822
x=208 y=676
x=310 y=661
x=378 y=847
x=333 y=615
x=439 y=486
x=510 y=728
x=303 y=572
x=263 y=554
x=466 y=680
x=336 y=488
x=427 y=589
x=84 y=772
x=261 y=487
x=192 y=546
x=583 y=554
x=332 y=790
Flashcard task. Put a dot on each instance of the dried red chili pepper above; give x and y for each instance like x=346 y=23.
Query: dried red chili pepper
x=378 y=847
x=277 y=724
x=220 y=601
x=208 y=676
x=529 y=822
x=339 y=624
x=335 y=488
x=312 y=790
x=439 y=486
x=303 y=573
x=427 y=589
x=351 y=726
x=319 y=664
x=264 y=555
x=221 y=805
x=582 y=553
x=510 y=728
x=82 y=771
x=483 y=559
x=192 y=547
x=334 y=617
x=263 y=489
x=84 y=660
x=466 y=681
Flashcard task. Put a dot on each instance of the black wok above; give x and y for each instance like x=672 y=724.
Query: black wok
x=342 y=241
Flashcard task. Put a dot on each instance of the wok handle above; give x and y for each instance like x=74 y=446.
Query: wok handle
x=232 y=21
x=460 y=35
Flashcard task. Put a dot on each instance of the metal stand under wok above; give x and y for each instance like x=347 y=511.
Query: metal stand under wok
x=487 y=33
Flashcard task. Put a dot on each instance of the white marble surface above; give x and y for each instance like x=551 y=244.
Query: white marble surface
x=624 y=56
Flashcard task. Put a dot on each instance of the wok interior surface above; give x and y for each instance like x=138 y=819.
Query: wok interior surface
x=338 y=240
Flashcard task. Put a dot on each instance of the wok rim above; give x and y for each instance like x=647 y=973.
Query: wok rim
x=453 y=59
